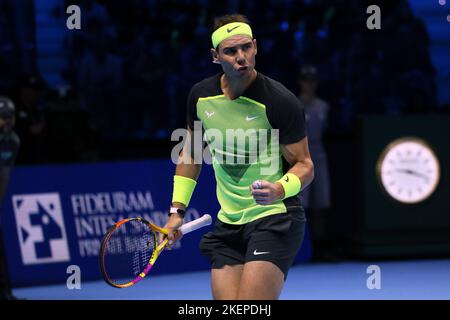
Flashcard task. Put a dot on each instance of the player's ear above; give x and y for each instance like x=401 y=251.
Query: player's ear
x=215 y=56
x=256 y=47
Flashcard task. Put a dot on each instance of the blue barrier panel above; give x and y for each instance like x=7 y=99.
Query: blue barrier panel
x=55 y=216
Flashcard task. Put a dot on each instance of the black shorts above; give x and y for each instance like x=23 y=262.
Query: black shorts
x=276 y=238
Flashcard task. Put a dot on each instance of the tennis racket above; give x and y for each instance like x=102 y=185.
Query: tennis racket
x=130 y=248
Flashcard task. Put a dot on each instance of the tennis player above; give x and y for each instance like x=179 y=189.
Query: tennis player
x=260 y=226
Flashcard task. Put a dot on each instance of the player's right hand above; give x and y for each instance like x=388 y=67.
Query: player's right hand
x=172 y=226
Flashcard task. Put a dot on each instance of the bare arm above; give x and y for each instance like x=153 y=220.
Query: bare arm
x=297 y=155
x=186 y=167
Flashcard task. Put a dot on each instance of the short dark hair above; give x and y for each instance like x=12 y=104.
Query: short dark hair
x=228 y=18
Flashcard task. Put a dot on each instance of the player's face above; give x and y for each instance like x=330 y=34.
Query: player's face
x=237 y=56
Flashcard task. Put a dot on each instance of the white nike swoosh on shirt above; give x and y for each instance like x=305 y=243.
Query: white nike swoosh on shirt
x=256 y=253
x=251 y=118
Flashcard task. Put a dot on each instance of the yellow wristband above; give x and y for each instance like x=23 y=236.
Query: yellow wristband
x=183 y=188
x=291 y=185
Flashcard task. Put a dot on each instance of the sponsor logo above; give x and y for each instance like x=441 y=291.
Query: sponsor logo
x=40 y=228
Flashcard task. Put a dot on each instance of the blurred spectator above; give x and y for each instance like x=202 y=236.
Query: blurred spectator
x=316 y=197
x=133 y=62
x=31 y=124
x=70 y=137
x=9 y=146
x=99 y=80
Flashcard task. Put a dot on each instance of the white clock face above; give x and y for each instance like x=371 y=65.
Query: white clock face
x=409 y=170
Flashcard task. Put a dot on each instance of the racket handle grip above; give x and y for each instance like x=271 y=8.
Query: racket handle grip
x=203 y=221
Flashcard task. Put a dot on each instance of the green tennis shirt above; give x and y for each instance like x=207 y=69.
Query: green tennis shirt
x=244 y=137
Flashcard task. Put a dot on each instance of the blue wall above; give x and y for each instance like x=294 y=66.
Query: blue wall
x=55 y=216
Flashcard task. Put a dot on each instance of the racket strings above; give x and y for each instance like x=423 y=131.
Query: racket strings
x=144 y=250
x=128 y=251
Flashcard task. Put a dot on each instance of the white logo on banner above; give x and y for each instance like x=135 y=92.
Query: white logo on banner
x=40 y=228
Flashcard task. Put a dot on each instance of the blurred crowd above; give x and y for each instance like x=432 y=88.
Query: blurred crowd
x=130 y=67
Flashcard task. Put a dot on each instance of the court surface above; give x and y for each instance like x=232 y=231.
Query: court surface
x=400 y=280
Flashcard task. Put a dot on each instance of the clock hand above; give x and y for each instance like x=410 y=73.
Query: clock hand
x=414 y=173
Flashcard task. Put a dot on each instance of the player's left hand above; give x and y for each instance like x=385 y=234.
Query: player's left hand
x=265 y=192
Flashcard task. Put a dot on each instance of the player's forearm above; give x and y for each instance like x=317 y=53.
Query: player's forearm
x=297 y=154
x=186 y=164
x=191 y=171
x=304 y=170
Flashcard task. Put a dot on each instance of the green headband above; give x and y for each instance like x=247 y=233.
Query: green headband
x=229 y=30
